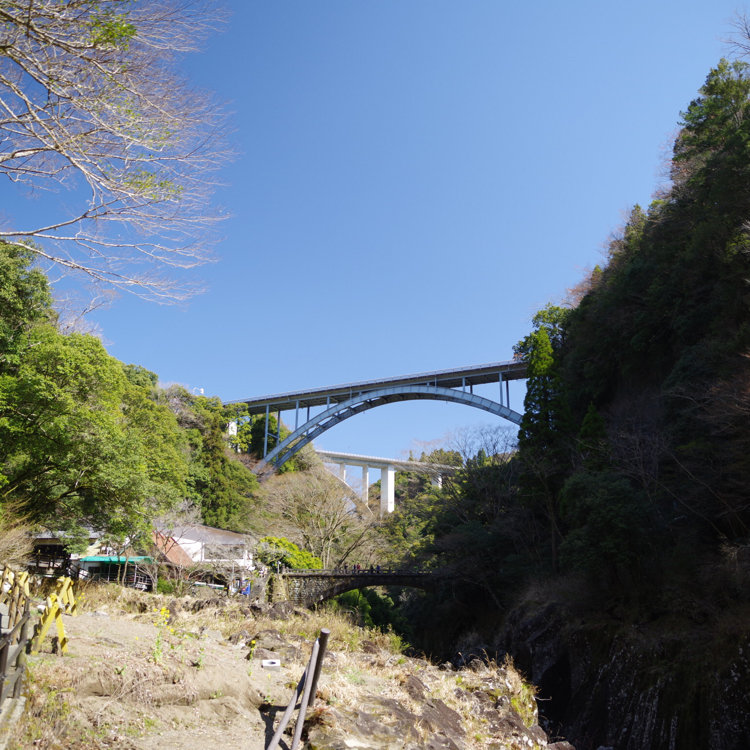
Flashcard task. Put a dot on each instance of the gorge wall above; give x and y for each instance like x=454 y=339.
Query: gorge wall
x=649 y=686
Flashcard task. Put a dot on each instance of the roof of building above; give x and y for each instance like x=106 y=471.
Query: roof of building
x=199 y=533
x=171 y=549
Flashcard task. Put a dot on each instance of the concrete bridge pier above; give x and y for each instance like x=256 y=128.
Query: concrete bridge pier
x=388 y=468
x=365 y=492
x=387 y=489
x=387 y=485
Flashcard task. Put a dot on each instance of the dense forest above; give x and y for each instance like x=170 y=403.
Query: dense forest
x=91 y=443
x=633 y=451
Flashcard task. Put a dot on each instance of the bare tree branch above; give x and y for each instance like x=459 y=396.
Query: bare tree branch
x=316 y=511
x=90 y=100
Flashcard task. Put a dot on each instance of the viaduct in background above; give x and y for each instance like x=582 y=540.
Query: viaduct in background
x=388 y=468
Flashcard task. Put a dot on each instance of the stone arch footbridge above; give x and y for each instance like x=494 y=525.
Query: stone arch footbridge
x=306 y=588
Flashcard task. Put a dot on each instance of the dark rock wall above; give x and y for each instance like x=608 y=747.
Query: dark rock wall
x=633 y=688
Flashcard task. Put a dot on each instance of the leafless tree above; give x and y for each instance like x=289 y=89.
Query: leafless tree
x=739 y=40
x=16 y=540
x=496 y=442
x=90 y=100
x=318 y=512
x=173 y=525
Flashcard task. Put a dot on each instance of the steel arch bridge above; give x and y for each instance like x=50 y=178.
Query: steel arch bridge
x=345 y=401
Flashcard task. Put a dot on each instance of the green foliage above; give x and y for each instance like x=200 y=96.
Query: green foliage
x=242 y=441
x=592 y=440
x=110 y=29
x=662 y=337
x=218 y=483
x=714 y=138
x=272 y=550
x=224 y=487
x=254 y=440
x=258 y=439
x=87 y=440
x=407 y=531
x=164 y=586
x=608 y=521
x=373 y=610
x=625 y=388
x=140 y=376
x=82 y=443
x=442 y=456
x=544 y=404
x=25 y=301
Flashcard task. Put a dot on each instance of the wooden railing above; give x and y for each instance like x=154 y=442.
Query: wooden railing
x=15 y=615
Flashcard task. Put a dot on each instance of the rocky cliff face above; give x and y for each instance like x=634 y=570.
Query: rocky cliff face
x=659 y=685
x=410 y=704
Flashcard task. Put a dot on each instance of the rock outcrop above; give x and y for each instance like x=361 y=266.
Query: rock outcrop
x=634 y=687
x=490 y=707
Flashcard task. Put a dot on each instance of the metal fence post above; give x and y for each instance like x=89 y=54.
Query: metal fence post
x=308 y=681
x=305 y=698
x=323 y=640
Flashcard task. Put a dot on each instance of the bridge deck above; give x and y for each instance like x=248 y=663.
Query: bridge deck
x=400 y=464
x=455 y=378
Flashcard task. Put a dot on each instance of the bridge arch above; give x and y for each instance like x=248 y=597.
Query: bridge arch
x=364 y=401
x=307 y=588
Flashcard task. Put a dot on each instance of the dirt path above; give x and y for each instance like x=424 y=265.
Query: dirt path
x=165 y=681
x=131 y=683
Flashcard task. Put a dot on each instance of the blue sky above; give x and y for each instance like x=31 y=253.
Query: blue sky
x=413 y=179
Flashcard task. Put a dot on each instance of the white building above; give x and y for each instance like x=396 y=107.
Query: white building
x=194 y=543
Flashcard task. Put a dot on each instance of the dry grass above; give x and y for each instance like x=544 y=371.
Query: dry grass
x=16 y=541
x=115 y=696
x=232 y=616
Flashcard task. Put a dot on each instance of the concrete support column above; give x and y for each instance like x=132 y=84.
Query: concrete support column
x=387 y=490
x=265 y=434
x=365 y=484
x=342 y=472
x=437 y=480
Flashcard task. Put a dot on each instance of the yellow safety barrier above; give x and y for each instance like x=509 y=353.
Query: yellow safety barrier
x=11 y=579
x=65 y=595
x=14 y=592
x=61 y=601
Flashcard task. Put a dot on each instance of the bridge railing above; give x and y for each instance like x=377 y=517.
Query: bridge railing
x=338 y=572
